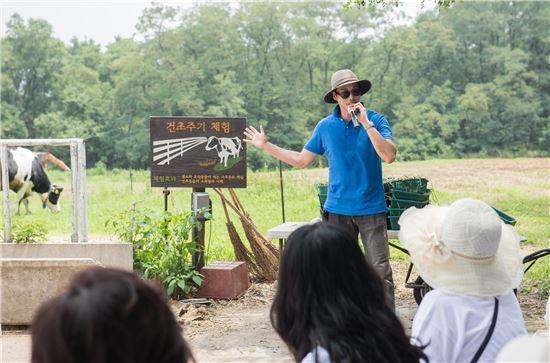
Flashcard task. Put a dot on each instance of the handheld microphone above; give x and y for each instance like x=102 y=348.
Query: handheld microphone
x=353 y=117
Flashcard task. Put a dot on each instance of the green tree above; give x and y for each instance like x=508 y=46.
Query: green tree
x=473 y=79
x=473 y=114
x=514 y=106
x=373 y=4
x=32 y=62
x=126 y=135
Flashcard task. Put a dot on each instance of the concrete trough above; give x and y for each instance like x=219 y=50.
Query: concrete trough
x=25 y=283
x=108 y=254
x=32 y=273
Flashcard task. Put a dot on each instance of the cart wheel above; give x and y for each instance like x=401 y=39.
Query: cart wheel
x=419 y=292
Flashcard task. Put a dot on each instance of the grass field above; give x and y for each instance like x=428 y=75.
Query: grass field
x=519 y=187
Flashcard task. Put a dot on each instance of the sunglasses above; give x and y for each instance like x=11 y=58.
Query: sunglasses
x=355 y=92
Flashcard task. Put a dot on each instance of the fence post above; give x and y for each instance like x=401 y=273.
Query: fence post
x=82 y=190
x=74 y=190
x=6 y=191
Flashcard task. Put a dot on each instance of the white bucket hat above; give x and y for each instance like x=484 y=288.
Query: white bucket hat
x=463 y=248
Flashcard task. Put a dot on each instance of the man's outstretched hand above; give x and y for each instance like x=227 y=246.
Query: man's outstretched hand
x=255 y=137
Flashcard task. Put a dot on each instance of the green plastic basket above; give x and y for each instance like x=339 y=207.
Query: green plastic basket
x=322 y=190
x=413 y=185
x=396 y=211
x=387 y=186
x=505 y=217
x=418 y=197
x=392 y=223
x=404 y=203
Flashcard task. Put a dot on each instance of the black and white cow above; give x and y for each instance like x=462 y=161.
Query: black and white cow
x=26 y=175
x=225 y=146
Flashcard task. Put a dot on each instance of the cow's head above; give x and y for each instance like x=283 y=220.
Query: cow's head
x=51 y=199
x=238 y=143
x=212 y=143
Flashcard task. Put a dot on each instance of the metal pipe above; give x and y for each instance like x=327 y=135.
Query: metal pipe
x=74 y=191
x=198 y=237
x=282 y=190
x=39 y=142
x=82 y=191
x=6 y=191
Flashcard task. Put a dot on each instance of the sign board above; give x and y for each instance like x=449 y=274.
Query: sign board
x=197 y=152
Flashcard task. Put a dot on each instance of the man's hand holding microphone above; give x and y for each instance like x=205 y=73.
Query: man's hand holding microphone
x=358 y=115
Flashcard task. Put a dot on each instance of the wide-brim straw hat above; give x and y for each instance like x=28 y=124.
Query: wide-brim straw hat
x=463 y=248
x=344 y=77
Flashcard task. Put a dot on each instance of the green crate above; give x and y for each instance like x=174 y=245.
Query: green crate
x=322 y=190
x=387 y=186
x=413 y=185
x=505 y=217
x=404 y=203
x=396 y=211
x=403 y=195
x=392 y=223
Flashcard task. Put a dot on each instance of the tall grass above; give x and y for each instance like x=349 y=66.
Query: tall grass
x=110 y=192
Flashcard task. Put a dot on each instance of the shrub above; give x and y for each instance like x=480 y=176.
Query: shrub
x=99 y=169
x=27 y=233
x=163 y=247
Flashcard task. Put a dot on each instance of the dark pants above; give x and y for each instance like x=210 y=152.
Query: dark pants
x=374 y=235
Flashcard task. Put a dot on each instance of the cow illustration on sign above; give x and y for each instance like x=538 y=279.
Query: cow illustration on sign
x=225 y=147
x=166 y=150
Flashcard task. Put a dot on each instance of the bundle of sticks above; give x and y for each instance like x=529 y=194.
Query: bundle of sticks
x=264 y=259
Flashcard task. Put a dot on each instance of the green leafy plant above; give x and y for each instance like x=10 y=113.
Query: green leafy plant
x=99 y=169
x=27 y=233
x=163 y=247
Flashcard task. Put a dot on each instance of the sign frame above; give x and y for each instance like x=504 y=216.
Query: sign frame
x=197 y=152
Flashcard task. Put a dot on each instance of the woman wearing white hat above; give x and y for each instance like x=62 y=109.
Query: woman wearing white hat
x=473 y=262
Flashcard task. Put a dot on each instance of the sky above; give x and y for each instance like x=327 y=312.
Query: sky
x=100 y=20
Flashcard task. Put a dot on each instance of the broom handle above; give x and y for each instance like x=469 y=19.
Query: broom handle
x=232 y=194
x=237 y=210
x=236 y=200
x=225 y=210
x=241 y=214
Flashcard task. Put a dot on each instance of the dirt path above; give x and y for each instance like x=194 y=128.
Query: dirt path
x=240 y=331
x=240 y=334
x=237 y=334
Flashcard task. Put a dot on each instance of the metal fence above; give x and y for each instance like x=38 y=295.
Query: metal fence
x=78 y=182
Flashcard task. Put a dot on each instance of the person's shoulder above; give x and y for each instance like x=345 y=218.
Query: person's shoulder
x=327 y=121
x=437 y=306
x=329 y=118
x=442 y=300
x=375 y=116
x=439 y=298
x=525 y=348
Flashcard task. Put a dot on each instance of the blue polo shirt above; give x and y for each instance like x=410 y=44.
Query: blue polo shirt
x=355 y=184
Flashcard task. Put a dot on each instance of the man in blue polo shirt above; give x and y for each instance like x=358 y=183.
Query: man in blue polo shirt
x=355 y=197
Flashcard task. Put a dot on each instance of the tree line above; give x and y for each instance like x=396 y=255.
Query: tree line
x=470 y=80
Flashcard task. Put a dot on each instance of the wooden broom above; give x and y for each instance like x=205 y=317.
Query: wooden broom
x=266 y=261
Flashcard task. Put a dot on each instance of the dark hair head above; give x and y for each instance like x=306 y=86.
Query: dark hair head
x=108 y=315
x=329 y=296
